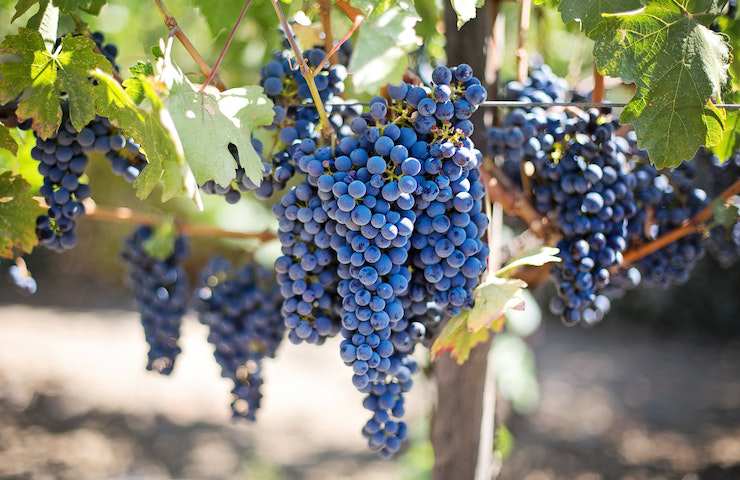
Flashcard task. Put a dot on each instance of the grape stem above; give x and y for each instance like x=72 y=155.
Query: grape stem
x=229 y=39
x=127 y=215
x=522 y=61
x=325 y=15
x=308 y=75
x=356 y=22
x=175 y=30
x=598 y=94
x=693 y=225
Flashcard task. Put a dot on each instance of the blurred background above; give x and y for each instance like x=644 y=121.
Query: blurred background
x=651 y=393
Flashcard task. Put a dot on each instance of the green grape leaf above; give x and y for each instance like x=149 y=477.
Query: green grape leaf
x=730 y=139
x=22 y=6
x=92 y=7
x=207 y=122
x=380 y=53
x=457 y=340
x=7 y=141
x=18 y=212
x=162 y=242
x=20 y=163
x=154 y=130
x=677 y=63
x=590 y=13
x=142 y=68
x=725 y=213
x=219 y=15
x=537 y=258
x=66 y=6
x=46 y=21
x=39 y=78
x=466 y=10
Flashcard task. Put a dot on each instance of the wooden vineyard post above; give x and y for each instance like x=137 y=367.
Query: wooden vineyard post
x=456 y=420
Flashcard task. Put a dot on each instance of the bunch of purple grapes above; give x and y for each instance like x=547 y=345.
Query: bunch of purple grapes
x=409 y=164
x=161 y=291
x=241 y=308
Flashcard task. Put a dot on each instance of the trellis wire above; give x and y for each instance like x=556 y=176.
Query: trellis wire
x=525 y=104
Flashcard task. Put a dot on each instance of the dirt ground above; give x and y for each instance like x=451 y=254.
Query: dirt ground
x=618 y=403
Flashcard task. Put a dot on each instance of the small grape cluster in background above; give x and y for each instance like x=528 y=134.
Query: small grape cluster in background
x=241 y=308
x=161 y=291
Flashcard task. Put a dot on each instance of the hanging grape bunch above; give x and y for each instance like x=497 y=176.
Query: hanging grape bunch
x=241 y=308
x=161 y=291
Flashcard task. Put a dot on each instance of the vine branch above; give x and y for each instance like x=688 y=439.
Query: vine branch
x=127 y=215
x=514 y=202
x=175 y=30
x=326 y=129
x=229 y=39
x=599 y=91
x=693 y=225
x=522 y=61
x=330 y=56
x=325 y=14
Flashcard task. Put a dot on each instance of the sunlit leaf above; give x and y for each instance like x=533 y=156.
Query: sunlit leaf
x=380 y=53
x=39 y=78
x=18 y=212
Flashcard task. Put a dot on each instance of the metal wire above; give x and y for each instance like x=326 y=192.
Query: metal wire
x=515 y=103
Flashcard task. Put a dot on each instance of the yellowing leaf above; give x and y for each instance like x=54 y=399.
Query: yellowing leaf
x=538 y=258
x=457 y=340
x=18 y=212
x=39 y=78
x=492 y=299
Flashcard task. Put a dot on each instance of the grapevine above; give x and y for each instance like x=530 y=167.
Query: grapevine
x=367 y=165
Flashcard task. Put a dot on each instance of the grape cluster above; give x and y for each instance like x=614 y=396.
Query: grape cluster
x=241 y=308
x=396 y=208
x=109 y=50
x=161 y=291
x=591 y=189
x=602 y=196
x=541 y=85
x=62 y=161
x=665 y=202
